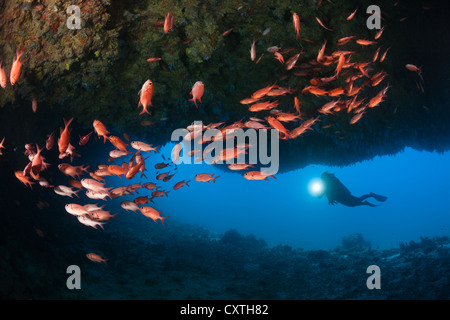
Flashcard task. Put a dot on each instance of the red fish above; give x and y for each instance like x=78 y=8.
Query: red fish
x=15 y=70
x=34 y=105
x=146 y=94
x=296 y=21
x=352 y=15
x=3 y=78
x=227 y=32
x=178 y=185
x=277 y=125
x=256 y=175
x=204 y=177
x=100 y=129
x=321 y=23
x=378 y=34
x=279 y=57
x=153 y=59
x=84 y=140
x=1 y=145
x=152 y=213
x=253 y=51
x=22 y=178
x=96 y=258
x=364 y=42
x=321 y=52
x=197 y=92
x=118 y=143
x=292 y=61
x=64 y=140
x=297 y=104
x=168 y=23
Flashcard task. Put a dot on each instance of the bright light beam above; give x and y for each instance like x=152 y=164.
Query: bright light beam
x=316 y=187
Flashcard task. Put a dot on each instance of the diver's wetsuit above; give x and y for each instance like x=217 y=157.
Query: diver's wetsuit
x=337 y=192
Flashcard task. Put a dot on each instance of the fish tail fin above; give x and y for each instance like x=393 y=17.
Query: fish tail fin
x=214 y=179
x=162 y=220
x=166 y=193
x=76 y=193
x=151 y=199
x=67 y=123
x=187 y=182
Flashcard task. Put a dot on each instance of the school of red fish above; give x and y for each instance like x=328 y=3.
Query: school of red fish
x=349 y=98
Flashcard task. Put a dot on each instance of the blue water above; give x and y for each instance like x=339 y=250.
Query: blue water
x=282 y=211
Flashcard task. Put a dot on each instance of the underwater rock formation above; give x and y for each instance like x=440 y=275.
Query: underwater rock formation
x=95 y=72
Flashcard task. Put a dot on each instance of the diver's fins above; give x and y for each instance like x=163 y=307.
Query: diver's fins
x=378 y=197
x=367 y=203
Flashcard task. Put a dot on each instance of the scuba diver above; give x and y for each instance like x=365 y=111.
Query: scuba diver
x=337 y=192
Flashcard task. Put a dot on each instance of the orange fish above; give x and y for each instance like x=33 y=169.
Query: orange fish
x=1 y=145
x=25 y=180
x=141 y=200
x=266 y=105
x=118 y=143
x=178 y=185
x=3 y=78
x=133 y=170
x=15 y=70
x=100 y=129
x=340 y=64
x=253 y=51
x=204 y=177
x=239 y=166
x=321 y=23
x=116 y=170
x=38 y=160
x=168 y=23
x=413 y=68
x=356 y=118
x=277 y=125
x=34 y=105
x=146 y=94
x=352 y=15
x=321 y=52
x=152 y=213
x=96 y=258
x=287 y=117
x=197 y=92
x=364 y=42
x=262 y=92
x=279 y=57
x=292 y=61
x=378 y=34
x=227 y=32
x=248 y=100
x=64 y=140
x=153 y=59
x=375 y=101
x=256 y=175
x=345 y=40
x=306 y=125
x=383 y=56
x=84 y=140
x=297 y=104
x=296 y=21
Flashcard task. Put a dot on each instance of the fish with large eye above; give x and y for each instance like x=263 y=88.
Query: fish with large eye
x=146 y=94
